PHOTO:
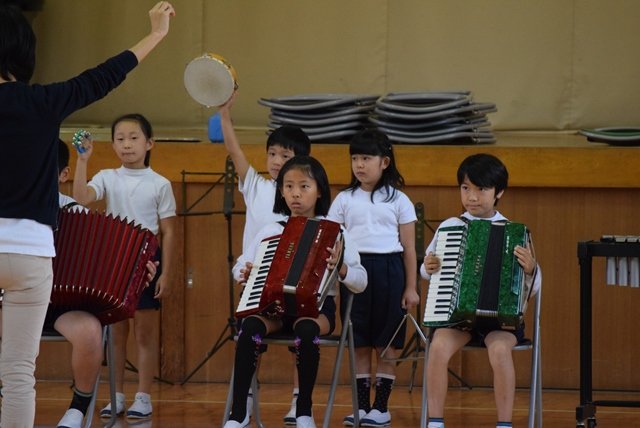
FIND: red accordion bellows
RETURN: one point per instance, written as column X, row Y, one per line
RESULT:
column 292, row 279
column 100, row 264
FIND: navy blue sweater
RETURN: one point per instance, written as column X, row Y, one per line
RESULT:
column 30, row 119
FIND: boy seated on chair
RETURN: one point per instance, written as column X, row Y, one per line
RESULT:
column 80, row 328
column 482, row 179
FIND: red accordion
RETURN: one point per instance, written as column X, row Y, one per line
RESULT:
column 289, row 274
column 100, row 264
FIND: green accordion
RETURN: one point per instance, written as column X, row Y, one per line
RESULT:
column 479, row 277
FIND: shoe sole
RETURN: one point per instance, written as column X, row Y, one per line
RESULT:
column 108, row 415
column 348, row 422
column 138, row 415
column 374, row 424
column 290, row 422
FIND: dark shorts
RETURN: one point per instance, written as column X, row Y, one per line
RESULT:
column 377, row 311
column 482, row 329
column 328, row 310
column 49, row 320
column 147, row 301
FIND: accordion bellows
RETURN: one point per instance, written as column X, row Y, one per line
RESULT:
column 100, row 264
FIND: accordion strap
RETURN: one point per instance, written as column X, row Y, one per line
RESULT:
column 70, row 204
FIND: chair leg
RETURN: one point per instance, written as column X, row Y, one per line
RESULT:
column 334, row 379
column 539, row 400
column 92, row 406
column 424, row 413
column 256, row 401
column 535, row 395
column 535, row 399
column 354, row 387
column 111, row 367
column 227, row 404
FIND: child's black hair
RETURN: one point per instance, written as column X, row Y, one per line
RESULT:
column 314, row 169
column 63, row 155
column 292, row 138
column 484, row 170
column 375, row 143
column 145, row 125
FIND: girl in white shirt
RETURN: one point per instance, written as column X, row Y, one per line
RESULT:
column 302, row 190
column 134, row 191
column 380, row 218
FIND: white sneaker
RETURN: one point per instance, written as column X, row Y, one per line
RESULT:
column 349, row 420
column 236, row 424
column 290, row 417
column 250, row 404
column 71, row 419
column 376, row 418
column 106, row 410
column 141, row 407
column 305, row 422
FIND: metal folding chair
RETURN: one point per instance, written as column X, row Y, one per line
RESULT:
column 107, row 342
column 345, row 339
column 535, row 392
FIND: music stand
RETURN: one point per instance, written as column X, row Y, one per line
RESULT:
column 230, row 330
column 418, row 341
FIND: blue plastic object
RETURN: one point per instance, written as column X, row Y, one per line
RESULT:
column 215, row 129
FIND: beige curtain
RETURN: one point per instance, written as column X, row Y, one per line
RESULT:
column 547, row 64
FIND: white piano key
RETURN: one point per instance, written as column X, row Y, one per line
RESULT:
column 250, row 298
column 441, row 287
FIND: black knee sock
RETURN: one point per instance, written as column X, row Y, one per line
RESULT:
column 247, row 351
column 383, row 391
column 81, row 400
column 307, row 360
column 363, row 385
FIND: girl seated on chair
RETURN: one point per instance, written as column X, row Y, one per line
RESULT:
column 302, row 190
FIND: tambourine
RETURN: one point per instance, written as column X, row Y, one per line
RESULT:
column 210, row 79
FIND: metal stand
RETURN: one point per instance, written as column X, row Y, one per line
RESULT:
column 230, row 330
column 586, row 411
column 418, row 341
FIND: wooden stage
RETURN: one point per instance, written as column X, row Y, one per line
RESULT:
column 196, row 405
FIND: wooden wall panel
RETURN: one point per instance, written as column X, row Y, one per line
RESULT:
column 559, row 216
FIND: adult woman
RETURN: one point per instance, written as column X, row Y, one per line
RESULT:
column 30, row 118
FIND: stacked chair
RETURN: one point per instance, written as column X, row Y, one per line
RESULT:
column 433, row 118
column 405, row 117
column 323, row 117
